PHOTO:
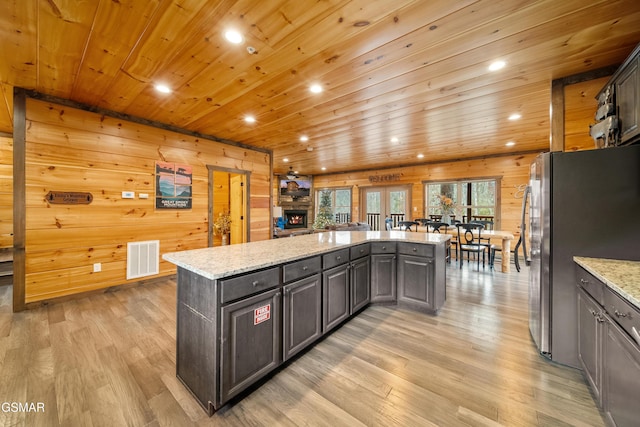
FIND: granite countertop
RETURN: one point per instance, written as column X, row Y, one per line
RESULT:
column 621, row 276
column 222, row 261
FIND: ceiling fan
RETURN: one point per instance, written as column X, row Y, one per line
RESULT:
column 291, row 174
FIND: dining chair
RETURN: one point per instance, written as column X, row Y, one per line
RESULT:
column 469, row 242
column 406, row 225
column 441, row 227
column 388, row 224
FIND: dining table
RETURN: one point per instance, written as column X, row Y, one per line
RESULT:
column 504, row 236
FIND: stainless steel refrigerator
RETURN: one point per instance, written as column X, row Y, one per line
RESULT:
column 584, row 203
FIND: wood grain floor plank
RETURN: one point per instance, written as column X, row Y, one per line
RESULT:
column 109, row 359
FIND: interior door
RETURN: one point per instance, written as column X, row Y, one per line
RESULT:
column 236, row 207
column 386, row 202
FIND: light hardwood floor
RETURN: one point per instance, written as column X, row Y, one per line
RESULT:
column 109, row 360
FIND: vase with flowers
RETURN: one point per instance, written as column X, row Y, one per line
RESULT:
column 447, row 207
column 222, row 226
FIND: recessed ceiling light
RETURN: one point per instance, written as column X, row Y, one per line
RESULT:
column 162, row 88
column 395, row 139
column 285, row 160
column 514, row 116
column 315, row 88
column 420, row 156
column 233, row 36
column 249, row 119
column 510, row 144
column 323, row 168
column 304, row 138
column 497, row 65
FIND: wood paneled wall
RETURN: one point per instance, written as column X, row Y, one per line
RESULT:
column 6, row 193
column 579, row 112
column 513, row 170
column 69, row 149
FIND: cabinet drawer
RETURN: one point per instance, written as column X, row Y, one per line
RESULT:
column 590, row 284
column 383, row 247
column 248, row 284
column 300, row 269
column 623, row 313
column 335, row 258
column 359, row 251
column 416, row 249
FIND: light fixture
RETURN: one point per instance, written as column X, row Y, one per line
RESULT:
column 304, row 138
column 249, row 119
column 497, row 65
column 291, row 174
column 162, row 88
column 315, row 88
column 395, row 139
column 420, row 156
column 514, row 116
column 286, row 159
column 233, row 36
column 510, row 144
column 323, row 168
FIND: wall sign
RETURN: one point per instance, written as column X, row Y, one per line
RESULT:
column 261, row 314
column 68, row 198
column 173, row 186
column 384, row 178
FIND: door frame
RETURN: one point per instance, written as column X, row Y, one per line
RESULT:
column 245, row 201
column 385, row 189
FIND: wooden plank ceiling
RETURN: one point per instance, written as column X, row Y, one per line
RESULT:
column 413, row 70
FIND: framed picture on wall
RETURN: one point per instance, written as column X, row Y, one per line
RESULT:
column 173, row 186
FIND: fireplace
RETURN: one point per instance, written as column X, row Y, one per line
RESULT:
column 295, row 219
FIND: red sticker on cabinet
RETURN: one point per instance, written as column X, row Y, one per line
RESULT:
column 261, row 314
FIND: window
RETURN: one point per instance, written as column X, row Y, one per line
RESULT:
column 471, row 198
column 335, row 200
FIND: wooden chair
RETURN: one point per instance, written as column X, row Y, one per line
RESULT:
column 406, row 225
column 469, row 242
column 441, row 227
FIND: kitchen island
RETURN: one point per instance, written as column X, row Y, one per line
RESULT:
column 244, row 310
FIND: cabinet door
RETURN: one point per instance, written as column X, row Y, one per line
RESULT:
column 383, row 278
column 302, row 314
column 251, row 332
column 335, row 296
column 360, row 293
column 415, row 281
column 590, row 330
column 627, row 101
column 621, row 377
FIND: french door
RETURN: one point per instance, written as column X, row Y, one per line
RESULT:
column 392, row 202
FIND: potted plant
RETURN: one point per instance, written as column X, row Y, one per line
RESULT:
column 222, row 226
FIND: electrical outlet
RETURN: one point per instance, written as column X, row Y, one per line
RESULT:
column 97, row 267
column 143, row 195
column 128, row 194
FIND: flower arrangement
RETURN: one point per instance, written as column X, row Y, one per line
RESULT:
column 222, row 224
column 447, row 204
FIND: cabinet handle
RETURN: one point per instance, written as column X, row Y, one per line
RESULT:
column 384, row 248
column 305, row 268
column 600, row 317
column 415, row 249
column 593, row 312
column 619, row 314
column 584, row 282
column 255, row 283
column 338, row 258
column 361, row 251
column 636, row 335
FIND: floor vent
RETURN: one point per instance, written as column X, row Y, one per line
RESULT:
column 143, row 259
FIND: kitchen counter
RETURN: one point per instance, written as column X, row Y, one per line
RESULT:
column 620, row 275
column 223, row 261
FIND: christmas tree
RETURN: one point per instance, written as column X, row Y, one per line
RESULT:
column 325, row 214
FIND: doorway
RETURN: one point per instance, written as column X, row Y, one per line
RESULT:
column 228, row 189
column 386, row 202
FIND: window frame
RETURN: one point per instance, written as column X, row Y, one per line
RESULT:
column 468, row 207
column 333, row 200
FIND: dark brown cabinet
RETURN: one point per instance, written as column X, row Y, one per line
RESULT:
column 417, row 276
column 335, row 296
column 250, row 332
column 383, row 272
column 590, row 334
column 360, row 284
column 627, row 101
column 301, row 314
column 622, row 374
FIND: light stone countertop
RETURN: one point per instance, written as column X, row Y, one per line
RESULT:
column 620, row 275
column 223, row 261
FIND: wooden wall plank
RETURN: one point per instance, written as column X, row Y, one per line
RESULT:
column 68, row 149
column 6, row 193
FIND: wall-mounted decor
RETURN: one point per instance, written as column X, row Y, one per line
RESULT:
column 173, row 186
column 295, row 190
column 68, row 198
column 384, row 178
